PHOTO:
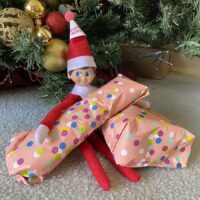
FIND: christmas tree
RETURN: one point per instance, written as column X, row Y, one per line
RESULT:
column 107, row 23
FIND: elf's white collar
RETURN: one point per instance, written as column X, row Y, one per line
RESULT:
column 82, row 91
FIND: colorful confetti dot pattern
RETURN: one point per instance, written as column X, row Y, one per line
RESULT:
column 141, row 138
column 25, row 158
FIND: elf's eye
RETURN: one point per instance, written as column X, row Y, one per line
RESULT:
column 78, row 74
column 87, row 73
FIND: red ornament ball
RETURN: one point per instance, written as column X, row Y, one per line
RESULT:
column 56, row 23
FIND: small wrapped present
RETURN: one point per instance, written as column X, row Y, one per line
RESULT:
column 138, row 138
column 31, row 162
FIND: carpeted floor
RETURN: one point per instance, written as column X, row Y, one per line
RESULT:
column 178, row 97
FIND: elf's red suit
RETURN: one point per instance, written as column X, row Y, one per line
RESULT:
column 86, row 147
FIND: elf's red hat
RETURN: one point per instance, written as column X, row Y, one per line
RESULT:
column 79, row 53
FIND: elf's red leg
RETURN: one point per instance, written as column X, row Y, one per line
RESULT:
column 101, row 146
column 88, row 152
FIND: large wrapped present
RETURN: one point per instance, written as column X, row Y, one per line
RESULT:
column 31, row 162
column 138, row 138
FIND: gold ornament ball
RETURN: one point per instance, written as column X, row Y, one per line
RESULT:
column 35, row 8
column 54, row 58
column 12, row 22
column 42, row 33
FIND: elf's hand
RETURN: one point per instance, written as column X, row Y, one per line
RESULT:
column 143, row 103
column 41, row 133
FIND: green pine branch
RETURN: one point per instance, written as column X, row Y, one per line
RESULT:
column 28, row 49
column 6, row 60
column 55, row 86
column 191, row 46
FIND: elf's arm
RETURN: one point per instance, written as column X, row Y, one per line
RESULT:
column 55, row 113
column 47, row 123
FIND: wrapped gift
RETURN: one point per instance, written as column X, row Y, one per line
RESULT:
column 138, row 138
column 31, row 162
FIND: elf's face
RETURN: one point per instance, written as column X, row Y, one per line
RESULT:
column 83, row 76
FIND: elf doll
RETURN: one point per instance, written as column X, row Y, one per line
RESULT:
column 81, row 70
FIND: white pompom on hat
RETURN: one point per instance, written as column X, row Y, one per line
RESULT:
column 79, row 53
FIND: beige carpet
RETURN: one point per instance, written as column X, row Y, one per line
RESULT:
column 178, row 96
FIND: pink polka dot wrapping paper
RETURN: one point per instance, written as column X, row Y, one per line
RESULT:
column 30, row 162
column 139, row 138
